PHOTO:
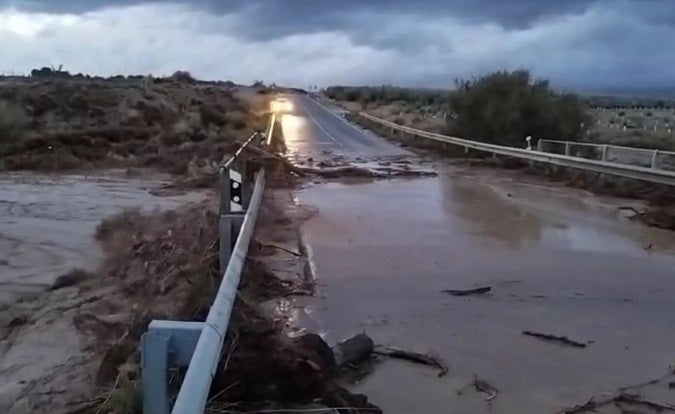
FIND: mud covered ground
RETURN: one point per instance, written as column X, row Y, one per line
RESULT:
column 85, row 329
column 70, row 343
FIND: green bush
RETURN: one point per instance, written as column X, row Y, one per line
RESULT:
column 13, row 122
column 505, row 107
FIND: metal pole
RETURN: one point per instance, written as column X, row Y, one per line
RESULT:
column 604, row 152
column 567, row 148
column 155, row 373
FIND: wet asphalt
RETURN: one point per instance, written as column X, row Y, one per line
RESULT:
column 559, row 260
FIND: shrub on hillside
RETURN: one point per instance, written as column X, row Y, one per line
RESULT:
column 182, row 76
column 13, row 122
column 505, row 107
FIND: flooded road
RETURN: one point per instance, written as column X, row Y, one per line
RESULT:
column 47, row 223
column 559, row 261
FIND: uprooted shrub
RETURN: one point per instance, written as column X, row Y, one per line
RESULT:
column 505, row 107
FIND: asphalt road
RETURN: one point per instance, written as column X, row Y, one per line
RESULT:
column 560, row 261
column 313, row 128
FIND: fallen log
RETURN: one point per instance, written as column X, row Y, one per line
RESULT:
column 468, row 292
column 353, row 350
column 413, row 357
column 560, row 339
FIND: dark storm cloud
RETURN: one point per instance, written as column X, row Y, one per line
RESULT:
column 575, row 43
column 288, row 15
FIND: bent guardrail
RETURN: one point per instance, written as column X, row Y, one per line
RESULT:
column 198, row 345
column 649, row 174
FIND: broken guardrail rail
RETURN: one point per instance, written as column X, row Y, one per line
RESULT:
column 649, row 174
column 198, row 345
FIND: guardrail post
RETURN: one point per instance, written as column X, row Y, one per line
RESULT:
column 165, row 344
column 540, row 145
column 604, row 152
column 655, row 156
column 567, row 148
column 155, row 373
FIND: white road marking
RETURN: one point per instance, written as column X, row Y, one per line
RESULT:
column 362, row 132
column 320, row 127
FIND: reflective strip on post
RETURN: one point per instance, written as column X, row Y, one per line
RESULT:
column 236, row 200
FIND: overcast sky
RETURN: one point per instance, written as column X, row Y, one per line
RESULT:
column 578, row 44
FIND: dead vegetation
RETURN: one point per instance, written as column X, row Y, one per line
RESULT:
column 161, row 266
column 176, row 126
column 164, row 267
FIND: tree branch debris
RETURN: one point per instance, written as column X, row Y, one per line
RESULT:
column 413, row 357
column 468, row 292
column 559, row 339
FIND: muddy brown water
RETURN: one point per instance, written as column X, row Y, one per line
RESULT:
column 47, row 223
column 560, row 261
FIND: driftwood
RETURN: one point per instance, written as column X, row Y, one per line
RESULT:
column 636, row 399
column 622, row 397
column 271, row 156
column 560, row 339
column 468, row 292
column 633, row 209
column 279, row 247
column 414, row 357
column 482, row 386
column 593, row 404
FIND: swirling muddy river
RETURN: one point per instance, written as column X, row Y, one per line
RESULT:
column 47, row 223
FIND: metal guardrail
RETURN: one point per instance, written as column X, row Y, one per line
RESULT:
column 654, row 175
column 643, row 157
column 199, row 345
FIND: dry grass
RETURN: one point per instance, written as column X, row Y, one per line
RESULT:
column 401, row 113
column 100, row 124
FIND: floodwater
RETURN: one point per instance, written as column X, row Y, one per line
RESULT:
column 47, row 223
column 560, row 261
